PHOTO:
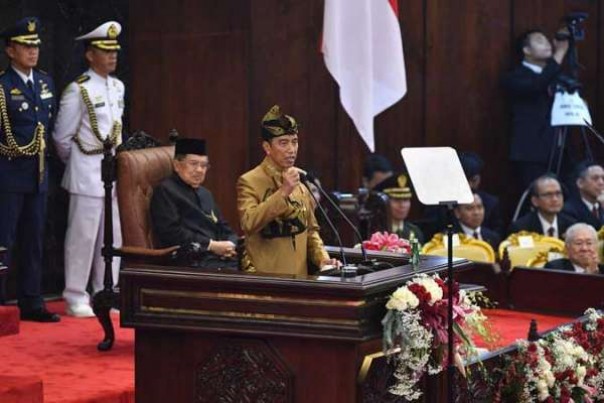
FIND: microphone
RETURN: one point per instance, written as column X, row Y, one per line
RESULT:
column 307, row 177
column 304, row 179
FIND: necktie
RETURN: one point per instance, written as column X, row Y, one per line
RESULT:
column 30, row 85
column 550, row 231
column 476, row 235
column 596, row 211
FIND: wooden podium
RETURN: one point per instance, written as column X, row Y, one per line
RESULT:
column 211, row 336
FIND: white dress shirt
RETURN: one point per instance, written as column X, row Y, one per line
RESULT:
column 535, row 68
column 546, row 225
column 470, row 232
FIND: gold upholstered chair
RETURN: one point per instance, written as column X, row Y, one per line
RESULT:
column 468, row 248
column 534, row 253
column 601, row 244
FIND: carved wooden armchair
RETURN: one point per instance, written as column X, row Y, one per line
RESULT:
column 140, row 164
column 138, row 172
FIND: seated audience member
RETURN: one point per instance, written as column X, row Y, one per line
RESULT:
column 582, row 248
column 377, row 168
column 585, row 207
column 183, row 211
column 472, row 166
column 399, row 196
column 471, row 219
column 547, row 199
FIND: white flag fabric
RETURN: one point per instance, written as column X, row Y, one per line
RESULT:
column 363, row 51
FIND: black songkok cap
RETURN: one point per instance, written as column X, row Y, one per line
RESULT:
column 190, row 146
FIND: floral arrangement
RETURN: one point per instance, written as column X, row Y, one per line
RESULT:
column 385, row 241
column 565, row 366
column 415, row 331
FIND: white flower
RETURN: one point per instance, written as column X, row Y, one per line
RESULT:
column 402, row 299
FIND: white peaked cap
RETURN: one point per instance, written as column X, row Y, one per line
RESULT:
column 104, row 36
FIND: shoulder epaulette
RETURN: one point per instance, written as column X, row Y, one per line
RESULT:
column 42, row 71
column 83, row 78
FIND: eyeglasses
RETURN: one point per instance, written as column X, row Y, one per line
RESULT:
column 198, row 164
column 550, row 195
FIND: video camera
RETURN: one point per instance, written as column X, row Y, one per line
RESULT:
column 573, row 24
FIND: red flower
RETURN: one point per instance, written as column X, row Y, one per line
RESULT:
column 420, row 292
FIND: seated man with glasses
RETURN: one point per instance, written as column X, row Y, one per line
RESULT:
column 582, row 248
column 184, row 212
column 547, row 219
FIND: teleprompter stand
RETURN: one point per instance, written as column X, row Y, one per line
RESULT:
column 439, row 180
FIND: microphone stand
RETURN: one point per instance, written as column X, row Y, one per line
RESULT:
column 304, row 180
column 310, row 178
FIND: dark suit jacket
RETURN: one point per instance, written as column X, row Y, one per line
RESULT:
column 576, row 209
column 488, row 235
column 566, row 265
column 530, row 222
column 181, row 215
column 492, row 212
column 531, row 102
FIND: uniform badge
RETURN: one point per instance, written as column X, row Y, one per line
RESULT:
column 25, row 106
column 15, row 91
column 18, row 97
column 99, row 105
column 45, row 93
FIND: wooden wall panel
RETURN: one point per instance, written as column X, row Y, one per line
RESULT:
column 212, row 68
column 192, row 62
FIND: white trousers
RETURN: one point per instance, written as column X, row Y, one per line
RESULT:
column 83, row 245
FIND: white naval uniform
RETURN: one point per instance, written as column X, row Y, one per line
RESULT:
column 82, row 179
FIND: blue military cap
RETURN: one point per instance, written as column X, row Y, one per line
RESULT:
column 24, row 32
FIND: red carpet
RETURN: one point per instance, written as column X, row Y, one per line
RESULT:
column 65, row 357
column 62, row 360
column 512, row 325
column 9, row 320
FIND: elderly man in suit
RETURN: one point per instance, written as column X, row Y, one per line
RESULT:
column 530, row 89
column 183, row 211
column 582, row 248
column 28, row 103
column 547, row 199
column 586, row 207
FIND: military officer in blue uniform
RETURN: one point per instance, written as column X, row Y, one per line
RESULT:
column 27, row 109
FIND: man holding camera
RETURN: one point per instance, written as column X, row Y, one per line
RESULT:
column 531, row 87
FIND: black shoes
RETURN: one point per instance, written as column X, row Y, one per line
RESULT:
column 40, row 315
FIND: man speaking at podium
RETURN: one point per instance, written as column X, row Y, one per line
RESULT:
column 275, row 209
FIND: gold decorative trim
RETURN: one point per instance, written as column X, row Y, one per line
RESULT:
column 368, row 360
column 251, row 315
column 238, row 296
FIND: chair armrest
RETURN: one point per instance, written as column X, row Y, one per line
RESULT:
column 136, row 254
